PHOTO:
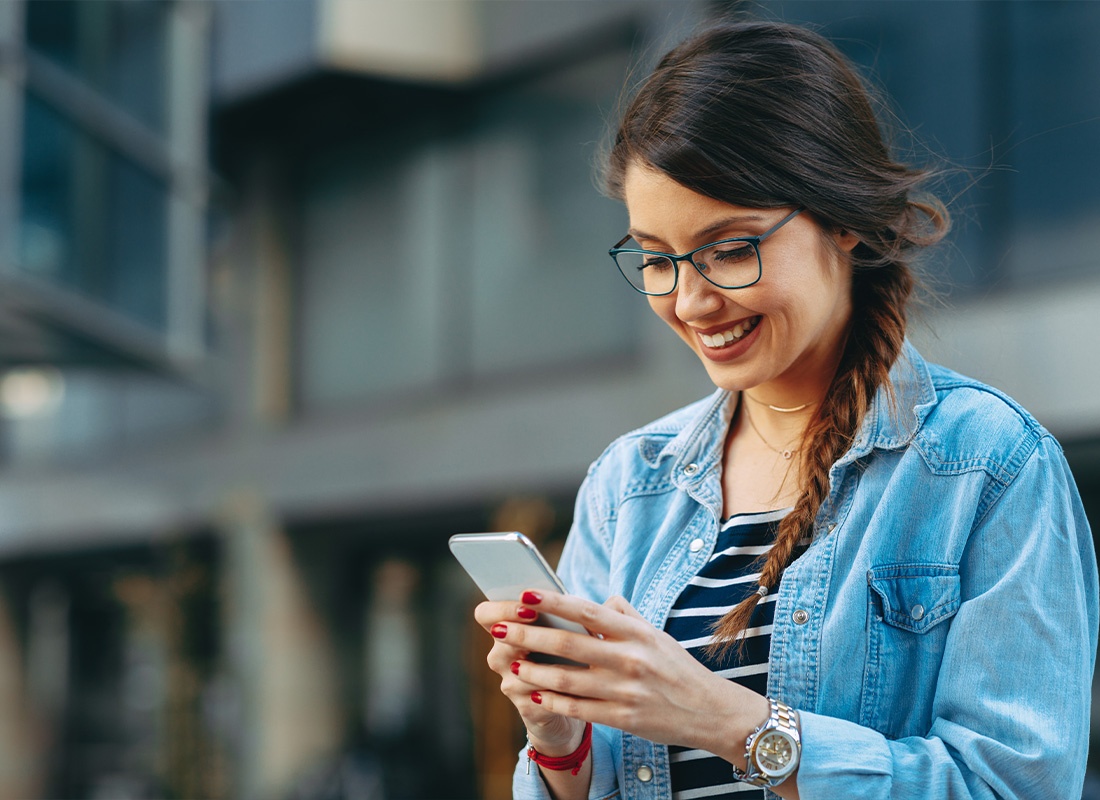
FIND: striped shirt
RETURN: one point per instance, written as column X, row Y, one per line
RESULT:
column 730, row 575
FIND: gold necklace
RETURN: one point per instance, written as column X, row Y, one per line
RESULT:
column 780, row 409
column 787, row 454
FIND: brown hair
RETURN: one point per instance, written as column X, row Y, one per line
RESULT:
column 765, row 114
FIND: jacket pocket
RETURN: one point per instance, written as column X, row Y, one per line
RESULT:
column 908, row 619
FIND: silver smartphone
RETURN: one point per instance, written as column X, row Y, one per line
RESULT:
column 503, row 565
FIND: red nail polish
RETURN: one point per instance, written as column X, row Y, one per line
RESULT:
column 499, row 630
column 515, row 668
column 526, row 613
column 536, row 698
column 531, row 598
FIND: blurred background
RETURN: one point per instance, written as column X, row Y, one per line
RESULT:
column 292, row 291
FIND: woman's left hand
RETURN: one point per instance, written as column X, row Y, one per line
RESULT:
column 639, row 679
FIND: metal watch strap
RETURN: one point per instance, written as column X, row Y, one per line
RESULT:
column 783, row 718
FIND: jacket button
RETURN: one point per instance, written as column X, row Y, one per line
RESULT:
column 645, row 773
column 696, row 545
column 691, row 469
column 917, row 611
column 800, row 617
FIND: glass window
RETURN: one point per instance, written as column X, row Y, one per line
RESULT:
column 1010, row 92
column 475, row 242
column 118, row 48
column 372, row 306
column 1053, row 119
column 91, row 220
column 544, row 289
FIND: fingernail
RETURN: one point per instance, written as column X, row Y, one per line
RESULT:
column 536, row 698
column 499, row 630
column 526, row 613
column 515, row 668
column 531, row 598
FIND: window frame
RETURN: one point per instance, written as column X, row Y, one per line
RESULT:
column 177, row 157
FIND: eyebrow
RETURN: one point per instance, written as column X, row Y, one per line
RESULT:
column 709, row 230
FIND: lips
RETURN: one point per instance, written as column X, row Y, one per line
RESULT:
column 725, row 338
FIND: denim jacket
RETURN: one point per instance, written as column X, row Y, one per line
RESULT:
column 939, row 634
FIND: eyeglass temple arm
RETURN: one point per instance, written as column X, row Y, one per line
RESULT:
column 777, row 225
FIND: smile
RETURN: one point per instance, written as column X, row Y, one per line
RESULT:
column 726, row 338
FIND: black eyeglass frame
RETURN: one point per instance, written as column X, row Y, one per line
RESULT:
column 755, row 241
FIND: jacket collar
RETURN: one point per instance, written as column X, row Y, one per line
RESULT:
column 699, row 442
column 890, row 423
column 893, row 420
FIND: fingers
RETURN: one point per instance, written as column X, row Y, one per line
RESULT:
column 562, row 679
column 506, row 622
column 525, row 696
column 498, row 618
column 579, row 708
column 506, row 660
column 579, row 648
column 614, row 622
column 510, row 624
column 616, row 619
column 495, row 617
column 638, row 678
column 490, row 613
column 590, row 615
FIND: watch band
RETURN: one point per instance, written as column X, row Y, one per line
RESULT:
column 784, row 720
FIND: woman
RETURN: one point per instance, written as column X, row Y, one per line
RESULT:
column 847, row 574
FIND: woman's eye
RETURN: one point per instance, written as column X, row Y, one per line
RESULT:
column 729, row 254
column 656, row 263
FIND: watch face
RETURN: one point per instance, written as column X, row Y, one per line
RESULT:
column 774, row 753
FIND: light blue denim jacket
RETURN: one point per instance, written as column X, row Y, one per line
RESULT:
column 950, row 596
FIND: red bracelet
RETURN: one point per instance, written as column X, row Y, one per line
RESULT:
column 571, row 762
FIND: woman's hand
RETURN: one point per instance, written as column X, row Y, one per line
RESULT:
column 552, row 734
column 639, row 679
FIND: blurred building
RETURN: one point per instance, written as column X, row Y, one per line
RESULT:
column 291, row 291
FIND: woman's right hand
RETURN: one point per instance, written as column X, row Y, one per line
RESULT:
column 550, row 734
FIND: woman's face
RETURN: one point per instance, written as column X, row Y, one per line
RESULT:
column 790, row 325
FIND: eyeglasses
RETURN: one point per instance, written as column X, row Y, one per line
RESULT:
column 728, row 263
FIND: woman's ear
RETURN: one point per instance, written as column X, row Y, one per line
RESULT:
column 845, row 240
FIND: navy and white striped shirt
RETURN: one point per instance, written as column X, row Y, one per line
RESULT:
column 730, row 575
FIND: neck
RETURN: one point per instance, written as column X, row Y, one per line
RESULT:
column 777, row 408
column 783, row 429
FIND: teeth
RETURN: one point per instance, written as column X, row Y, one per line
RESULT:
column 724, row 338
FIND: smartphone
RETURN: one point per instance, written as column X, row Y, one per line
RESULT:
column 503, row 565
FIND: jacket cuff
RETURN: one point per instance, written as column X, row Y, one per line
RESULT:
column 836, row 753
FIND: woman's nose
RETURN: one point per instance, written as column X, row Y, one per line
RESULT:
column 695, row 295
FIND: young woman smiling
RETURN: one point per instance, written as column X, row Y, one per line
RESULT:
column 848, row 573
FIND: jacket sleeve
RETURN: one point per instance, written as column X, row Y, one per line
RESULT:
column 584, row 569
column 1011, row 710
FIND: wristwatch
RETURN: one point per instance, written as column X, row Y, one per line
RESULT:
column 772, row 750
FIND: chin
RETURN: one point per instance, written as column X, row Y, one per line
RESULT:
column 730, row 382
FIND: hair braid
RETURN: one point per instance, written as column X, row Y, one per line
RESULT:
column 874, row 341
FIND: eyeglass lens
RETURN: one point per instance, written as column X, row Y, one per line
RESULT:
column 728, row 264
